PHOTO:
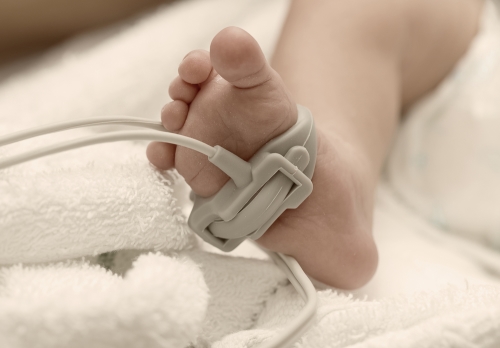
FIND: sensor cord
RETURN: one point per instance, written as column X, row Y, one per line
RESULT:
column 287, row 264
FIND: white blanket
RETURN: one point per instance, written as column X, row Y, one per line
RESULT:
column 89, row 219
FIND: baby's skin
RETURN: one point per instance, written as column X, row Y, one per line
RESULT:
column 356, row 76
column 242, row 103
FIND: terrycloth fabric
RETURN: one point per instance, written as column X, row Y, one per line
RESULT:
column 452, row 317
column 446, row 161
column 74, row 304
column 162, row 300
column 431, row 289
column 89, row 208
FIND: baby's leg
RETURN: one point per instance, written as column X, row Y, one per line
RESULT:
column 348, row 62
column 358, row 65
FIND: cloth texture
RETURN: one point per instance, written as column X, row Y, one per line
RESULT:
column 446, row 159
column 94, row 247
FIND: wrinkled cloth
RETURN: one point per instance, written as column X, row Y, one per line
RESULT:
column 445, row 162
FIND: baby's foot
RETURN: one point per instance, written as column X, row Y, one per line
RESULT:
column 231, row 97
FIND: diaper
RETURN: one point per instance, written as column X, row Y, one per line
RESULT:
column 445, row 163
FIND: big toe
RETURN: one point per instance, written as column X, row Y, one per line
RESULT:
column 237, row 58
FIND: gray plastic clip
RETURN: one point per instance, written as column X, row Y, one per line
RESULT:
column 280, row 179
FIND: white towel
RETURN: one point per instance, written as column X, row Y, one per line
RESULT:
column 89, row 208
column 161, row 302
column 451, row 317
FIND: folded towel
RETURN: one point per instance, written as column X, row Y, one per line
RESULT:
column 90, row 208
column 161, row 302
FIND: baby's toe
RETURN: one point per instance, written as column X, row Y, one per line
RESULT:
column 238, row 58
column 173, row 115
column 181, row 90
column 196, row 67
column 161, row 155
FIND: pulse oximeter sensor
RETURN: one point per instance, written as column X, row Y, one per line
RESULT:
column 276, row 178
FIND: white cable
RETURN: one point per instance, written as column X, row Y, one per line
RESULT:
column 93, row 121
column 306, row 290
column 236, row 168
column 286, row 263
column 106, row 138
